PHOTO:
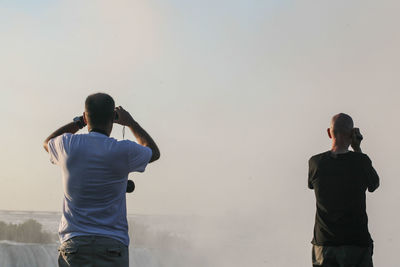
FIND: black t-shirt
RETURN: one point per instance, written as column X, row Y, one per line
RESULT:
column 340, row 182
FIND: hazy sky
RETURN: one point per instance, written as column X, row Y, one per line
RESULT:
column 237, row 94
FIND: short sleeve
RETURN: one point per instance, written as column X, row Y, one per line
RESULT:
column 311, row 173
column 56, row 147
column 371, row 175
column 138, row 157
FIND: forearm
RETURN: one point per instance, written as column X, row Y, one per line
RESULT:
column 71, row 127
column 144, row 139
column 357, row 149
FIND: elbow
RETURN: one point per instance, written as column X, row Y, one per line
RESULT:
column 371, row 189
column 46, row 146
column 374, row 187
column 155, row 155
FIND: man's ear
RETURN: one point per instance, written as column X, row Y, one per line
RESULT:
column 84, row 117
column 353, row 132
column 329, row 133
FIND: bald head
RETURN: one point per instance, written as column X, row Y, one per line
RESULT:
column 342, row 124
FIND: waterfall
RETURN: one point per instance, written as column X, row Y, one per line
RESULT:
column 14, row 254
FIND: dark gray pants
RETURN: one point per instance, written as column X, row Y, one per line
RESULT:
column 342, row 256
column 93, row 251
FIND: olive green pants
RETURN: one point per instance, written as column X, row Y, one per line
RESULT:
column 342, row 256
column 93, row 251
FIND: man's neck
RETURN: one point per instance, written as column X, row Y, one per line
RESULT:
column 339, row 149
column 101, row 130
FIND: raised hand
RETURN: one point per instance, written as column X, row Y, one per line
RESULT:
column 123, row 117
column 356, row 140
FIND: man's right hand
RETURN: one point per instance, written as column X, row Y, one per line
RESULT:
column 124, row 118
column 356, row 140
column 142, row 137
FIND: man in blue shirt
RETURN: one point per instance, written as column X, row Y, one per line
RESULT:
column 95, row 167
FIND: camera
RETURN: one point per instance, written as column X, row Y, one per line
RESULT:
column 130, row 187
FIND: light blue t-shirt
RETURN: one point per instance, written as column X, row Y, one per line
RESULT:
column 95, row 172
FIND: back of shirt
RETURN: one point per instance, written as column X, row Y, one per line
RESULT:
column 95, row 171
column 340, row 182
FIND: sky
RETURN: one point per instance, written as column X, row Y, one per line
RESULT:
column 237, row 94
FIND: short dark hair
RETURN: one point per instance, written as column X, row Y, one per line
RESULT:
column 99, row 108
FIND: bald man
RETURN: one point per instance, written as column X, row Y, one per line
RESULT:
column 340, row 178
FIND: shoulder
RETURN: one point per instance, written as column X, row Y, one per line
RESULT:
column 361, row 156
column 133, row 146
column 61, row 138
column 318, row 157
column 68, row 136
column 71, row 139
column 125, row 143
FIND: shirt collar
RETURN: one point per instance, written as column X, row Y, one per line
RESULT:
column 98, row 132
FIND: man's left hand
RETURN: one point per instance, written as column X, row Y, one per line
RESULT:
column 356, row 140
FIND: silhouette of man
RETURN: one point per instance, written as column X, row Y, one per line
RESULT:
column 95, row 167
column 340, row 179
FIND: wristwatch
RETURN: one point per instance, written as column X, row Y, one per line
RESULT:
column 79, row 121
